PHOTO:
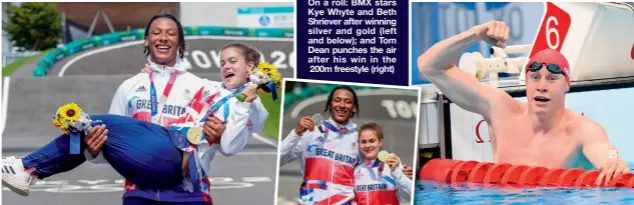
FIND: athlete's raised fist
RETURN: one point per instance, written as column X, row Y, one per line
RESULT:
column 305, row 124
column 495, row 33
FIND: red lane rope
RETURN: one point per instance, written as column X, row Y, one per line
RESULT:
column 455, row 171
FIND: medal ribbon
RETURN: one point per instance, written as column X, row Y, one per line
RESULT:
column 334, row 128
column 216, row 106
column 156, row 116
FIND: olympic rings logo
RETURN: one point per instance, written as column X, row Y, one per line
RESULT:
column 477, row 132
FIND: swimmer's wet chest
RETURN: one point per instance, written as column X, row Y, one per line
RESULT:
column 553, row 149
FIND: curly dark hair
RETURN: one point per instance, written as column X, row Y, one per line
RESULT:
column 181, row 33
column 355, row 100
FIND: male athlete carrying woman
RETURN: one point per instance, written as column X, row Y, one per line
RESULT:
column 541, row 132
column 149, row 155
column 164, row 43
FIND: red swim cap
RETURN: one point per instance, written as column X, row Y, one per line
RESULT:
column 551, row 56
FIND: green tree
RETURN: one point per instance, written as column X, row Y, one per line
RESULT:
column 34, row 25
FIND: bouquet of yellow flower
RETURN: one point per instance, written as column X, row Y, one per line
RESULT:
column 72, row 121
column 266, row 78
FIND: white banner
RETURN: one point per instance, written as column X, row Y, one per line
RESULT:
column 266, row 17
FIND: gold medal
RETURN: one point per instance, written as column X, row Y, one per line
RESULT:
column 194, row 135
column 383, row 155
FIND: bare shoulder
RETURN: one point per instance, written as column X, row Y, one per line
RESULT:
column 583, row 127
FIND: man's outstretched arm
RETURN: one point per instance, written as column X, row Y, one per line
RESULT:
column 603, row 155
column 438, row 64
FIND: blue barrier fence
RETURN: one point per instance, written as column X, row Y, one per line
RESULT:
column 53, row 56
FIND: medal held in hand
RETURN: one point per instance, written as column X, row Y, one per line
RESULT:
column 383, row 155
column 317, row 119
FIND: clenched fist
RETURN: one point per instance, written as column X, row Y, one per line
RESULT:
column 305, row 124
column 213, row 129
column 250, row 94
column 393, row 161
column 407, row 170
column 495, row 33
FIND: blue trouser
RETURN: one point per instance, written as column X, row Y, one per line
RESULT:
column 146, row 154
column 140, row 151
column 142, row 201
column 53, row 158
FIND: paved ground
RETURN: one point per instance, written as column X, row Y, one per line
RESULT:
column 399, row 130
column 27, row 69
column 247, row 178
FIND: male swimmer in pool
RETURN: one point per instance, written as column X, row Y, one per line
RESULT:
column 541, row 132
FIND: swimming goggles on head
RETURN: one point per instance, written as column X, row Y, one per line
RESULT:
column 553, row 68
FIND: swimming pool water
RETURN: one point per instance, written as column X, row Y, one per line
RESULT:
column 430, row 192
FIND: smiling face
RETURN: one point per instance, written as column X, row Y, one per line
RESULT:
column 163, row 41
column 235, row 67
column 369, row 144
column 545, row 91
column 342, row 106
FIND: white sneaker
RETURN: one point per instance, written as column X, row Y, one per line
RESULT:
column 15, row 177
